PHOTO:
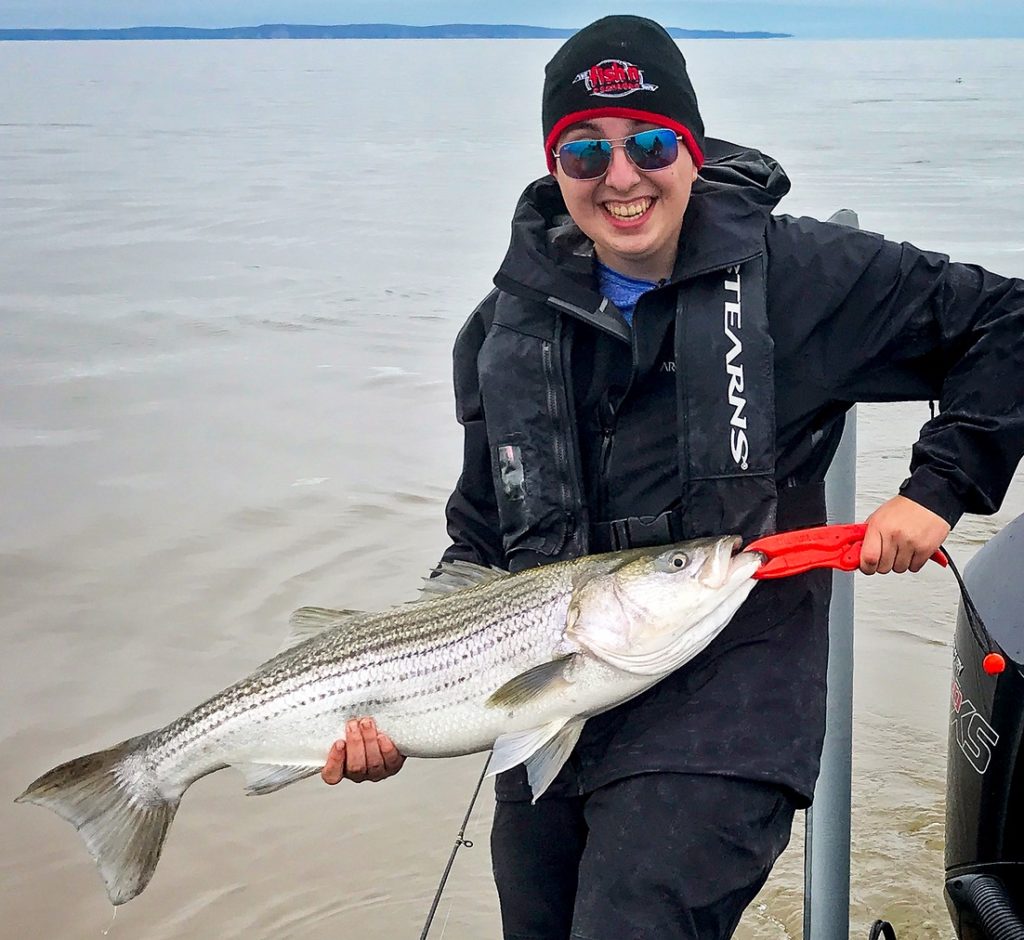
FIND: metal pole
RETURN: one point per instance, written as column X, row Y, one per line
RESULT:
column 827, row 842
column 827, row 847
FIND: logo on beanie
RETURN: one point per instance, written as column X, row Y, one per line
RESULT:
column 613, row 78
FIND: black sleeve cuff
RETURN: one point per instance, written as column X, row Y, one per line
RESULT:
column 933, row 493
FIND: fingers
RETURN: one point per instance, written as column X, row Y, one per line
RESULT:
column 373, row 762
column 355, row 762
column 920, row 560
column 393, row 760
column 901, row 536
column 334, row 769
column 903, row 556
column 889, row 552
column 364, row 754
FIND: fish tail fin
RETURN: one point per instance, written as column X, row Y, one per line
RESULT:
column 117, row 808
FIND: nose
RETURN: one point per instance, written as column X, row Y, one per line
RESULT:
column 622, row 173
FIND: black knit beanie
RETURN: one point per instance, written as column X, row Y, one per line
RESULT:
column 621, row 66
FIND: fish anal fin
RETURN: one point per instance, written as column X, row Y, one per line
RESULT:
column 530, row 685
column 308, row 622
column 261, row 779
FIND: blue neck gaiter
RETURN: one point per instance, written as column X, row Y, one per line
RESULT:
column 621, row 290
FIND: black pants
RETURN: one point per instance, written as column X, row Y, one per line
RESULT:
column 668, row 856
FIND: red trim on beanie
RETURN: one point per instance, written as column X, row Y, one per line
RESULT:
column 646, row 116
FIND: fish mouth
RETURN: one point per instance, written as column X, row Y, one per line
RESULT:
column 726, row 562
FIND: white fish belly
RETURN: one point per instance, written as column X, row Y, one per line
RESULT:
column 443, row 716
column 464, row 727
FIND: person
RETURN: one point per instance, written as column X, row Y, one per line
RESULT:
column 664, row 357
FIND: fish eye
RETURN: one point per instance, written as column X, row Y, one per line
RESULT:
column 673, row 561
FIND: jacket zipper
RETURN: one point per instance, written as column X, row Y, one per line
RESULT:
column 561, row 458
column 607, row 437
column 608, row 430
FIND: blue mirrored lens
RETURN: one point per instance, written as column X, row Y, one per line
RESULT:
column 653, row 150
column 590, row 159
column 585, row 159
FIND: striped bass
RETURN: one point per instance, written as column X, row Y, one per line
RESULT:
column 485, row 660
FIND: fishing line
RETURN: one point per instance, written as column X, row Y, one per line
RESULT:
column 460, row 841
column 444, row 926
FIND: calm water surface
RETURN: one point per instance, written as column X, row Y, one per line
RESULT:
column 232, row 274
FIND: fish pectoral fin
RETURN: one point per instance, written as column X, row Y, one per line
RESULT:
column 308, row 622
column 516, row 747
column 261, row 779
column 531, row 684
column 543, row 766
column 453, row 576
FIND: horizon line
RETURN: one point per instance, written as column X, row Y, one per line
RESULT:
column 725, row 33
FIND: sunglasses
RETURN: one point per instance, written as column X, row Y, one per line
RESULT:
column 590, row 159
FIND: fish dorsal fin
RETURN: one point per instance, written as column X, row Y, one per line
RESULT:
column 268, row 778
column 308, row 622
column 544, row 750
column 454, row 576
column 531, row 684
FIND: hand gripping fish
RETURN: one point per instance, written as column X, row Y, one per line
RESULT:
column 485, row 660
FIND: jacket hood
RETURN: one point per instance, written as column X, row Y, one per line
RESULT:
column 549, row 257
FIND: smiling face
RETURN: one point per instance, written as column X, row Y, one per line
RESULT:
column 633, row 217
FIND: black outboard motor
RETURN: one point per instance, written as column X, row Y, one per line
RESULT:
column 985, row 766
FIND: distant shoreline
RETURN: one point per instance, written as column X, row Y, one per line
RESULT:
column 349, row 31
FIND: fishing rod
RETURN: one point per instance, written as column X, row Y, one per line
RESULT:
column 460, row 840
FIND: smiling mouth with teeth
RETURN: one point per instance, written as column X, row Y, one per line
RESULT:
column 629, row 210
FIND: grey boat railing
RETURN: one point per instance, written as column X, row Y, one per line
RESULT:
column 827, row 839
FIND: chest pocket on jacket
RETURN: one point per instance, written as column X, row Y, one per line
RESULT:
column 522, row 391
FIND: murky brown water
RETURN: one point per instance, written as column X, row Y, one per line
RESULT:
column 228, row 292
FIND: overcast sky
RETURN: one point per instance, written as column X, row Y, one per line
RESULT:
column 806, row 18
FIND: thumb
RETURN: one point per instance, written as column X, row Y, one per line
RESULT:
column 871, row 550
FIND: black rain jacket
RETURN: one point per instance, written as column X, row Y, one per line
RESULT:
column 572, row 419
